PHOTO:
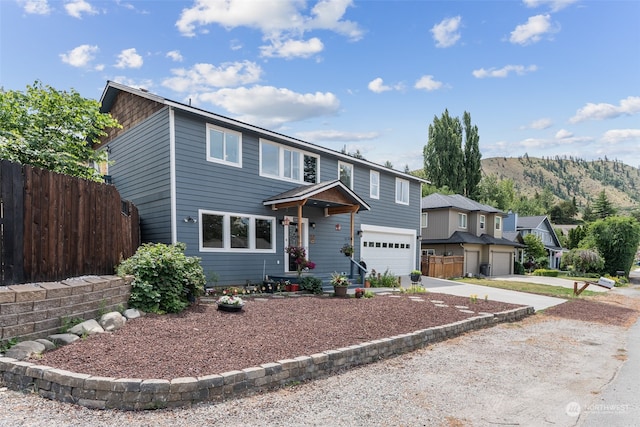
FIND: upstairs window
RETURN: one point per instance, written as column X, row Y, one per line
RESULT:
column 224, row 146
column 482, row 222
column 374, row 184
column 345, row 174
column 402, row 191
column 283, row 162
column 462, row 220
column 498, row 222
column 424, row 220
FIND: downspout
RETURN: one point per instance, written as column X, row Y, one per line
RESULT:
column 172, row 174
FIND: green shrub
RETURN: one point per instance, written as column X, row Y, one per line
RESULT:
column 166, row 280
column 311, row 284
column 545, row 272
column 518, row 268
column 582, row 261
column 385, row 280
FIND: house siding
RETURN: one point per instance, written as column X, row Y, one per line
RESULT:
column 140, row 171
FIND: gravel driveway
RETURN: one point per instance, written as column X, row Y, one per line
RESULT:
column 524, row 373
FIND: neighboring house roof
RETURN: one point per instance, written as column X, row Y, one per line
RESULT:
column 459, row 237
column 112, row 89
column 530, row 222
column 456, row 201
column 320, row 194
column 538, row 222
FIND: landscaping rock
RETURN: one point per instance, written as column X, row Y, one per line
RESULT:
column 112, row 321
column 63, row 339
column 48, row 345
column 25, row 349
column 88, row 327
column 132, row 313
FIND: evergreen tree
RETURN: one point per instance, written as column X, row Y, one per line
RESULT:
column 472, row 158
column 602, row 207
column 443, row 156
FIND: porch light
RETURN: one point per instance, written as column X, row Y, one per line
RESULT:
column 313, row 225
column 359, row 233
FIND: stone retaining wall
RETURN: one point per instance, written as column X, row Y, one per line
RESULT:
column 137, row 394
column 37, row 310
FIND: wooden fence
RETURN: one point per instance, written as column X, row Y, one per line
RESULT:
column 55, row 226
column 442, row 267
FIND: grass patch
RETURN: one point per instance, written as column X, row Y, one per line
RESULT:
column 533, row 288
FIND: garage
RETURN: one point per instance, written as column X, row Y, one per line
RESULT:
column 502, row 263
column 388, row 248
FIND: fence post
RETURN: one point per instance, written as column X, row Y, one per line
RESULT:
column 11, row 223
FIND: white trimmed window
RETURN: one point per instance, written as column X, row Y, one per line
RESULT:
column 402, row 191
column 230, row 232
column 345, row 174
column 224, row 146
column 462, row 220
column 283, row 162
column 424, row 219
column 483, row 220
column 374, row 184
column 498, row 222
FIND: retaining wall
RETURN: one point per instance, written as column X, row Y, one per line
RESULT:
column 38, row 310
column 136, row 394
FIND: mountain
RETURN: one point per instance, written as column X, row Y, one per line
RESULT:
column 569, row 177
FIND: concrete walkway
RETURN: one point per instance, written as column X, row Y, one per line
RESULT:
column 552, row 281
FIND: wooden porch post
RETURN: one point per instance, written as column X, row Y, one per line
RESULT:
column 300, row 225
column 352, row 231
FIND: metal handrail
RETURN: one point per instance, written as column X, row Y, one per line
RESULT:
column 360, row 268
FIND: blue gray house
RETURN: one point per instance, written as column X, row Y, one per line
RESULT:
column 237, row 195
column 539, row 226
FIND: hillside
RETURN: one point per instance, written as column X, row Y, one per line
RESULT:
column 570, row 177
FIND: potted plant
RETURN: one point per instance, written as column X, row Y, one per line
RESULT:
column 340, row 283
column 230, row 303
column 415, row 275
column 347, row 250
column 299, row 255
column 359, row 292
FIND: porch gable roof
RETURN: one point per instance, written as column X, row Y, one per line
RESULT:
column 329, row 194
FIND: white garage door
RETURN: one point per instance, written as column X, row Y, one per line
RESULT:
column 386, row 248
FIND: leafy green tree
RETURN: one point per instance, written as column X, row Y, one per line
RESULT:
column 535, row 252
column 582, row 261
column 443, row 156
column 617, row 240
column 53, row 130
column 526, row 206
column 472, row 158
column 602, row 207
column 564, row 212
column 576, row 235
column 500, row 194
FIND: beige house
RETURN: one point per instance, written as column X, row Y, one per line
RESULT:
column 454, row 225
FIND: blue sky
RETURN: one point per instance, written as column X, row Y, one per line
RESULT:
column 543, row 77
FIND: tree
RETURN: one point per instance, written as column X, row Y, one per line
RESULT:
column 616, row 239
column 499, row 194
column 443, row 156
column 564, row 212
column 472, row 158
column 576, row 235
column 602, row 207
column 535, row 253
column 53, row 130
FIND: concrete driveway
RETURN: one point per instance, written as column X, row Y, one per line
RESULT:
column 539, row 302
column 553, row 281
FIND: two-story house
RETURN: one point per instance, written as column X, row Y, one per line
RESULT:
column 539, row 226
column 454, row 225
column 237, row 195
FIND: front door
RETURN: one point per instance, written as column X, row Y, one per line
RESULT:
column 291, row 233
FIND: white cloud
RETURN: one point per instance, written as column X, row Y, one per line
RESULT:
column 129, row 58
column 428, row 83
column 292, row 48
column 76, row 8
column 563, row 134
column 628, row 106
column 80, row 56
column 204, row 77
column 539, row 124
column 446, row 32
column 504, row 71
column 376, row 85
column 271, row 106
column 533, row 30
column 336, row 135
column 271, row 18
column 175, row 55
column 35, row 7
column 554, row 5
column 615, row 136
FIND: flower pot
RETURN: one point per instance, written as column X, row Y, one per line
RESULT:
column 415, row 277
column 367, row 284
column 359, row 294
column 287, row 288
column 340, row 291
column 295, row 287
column 230, row 307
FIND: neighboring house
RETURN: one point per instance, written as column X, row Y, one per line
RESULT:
column 539, row 226
column 238, row 195
column 454, row 225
